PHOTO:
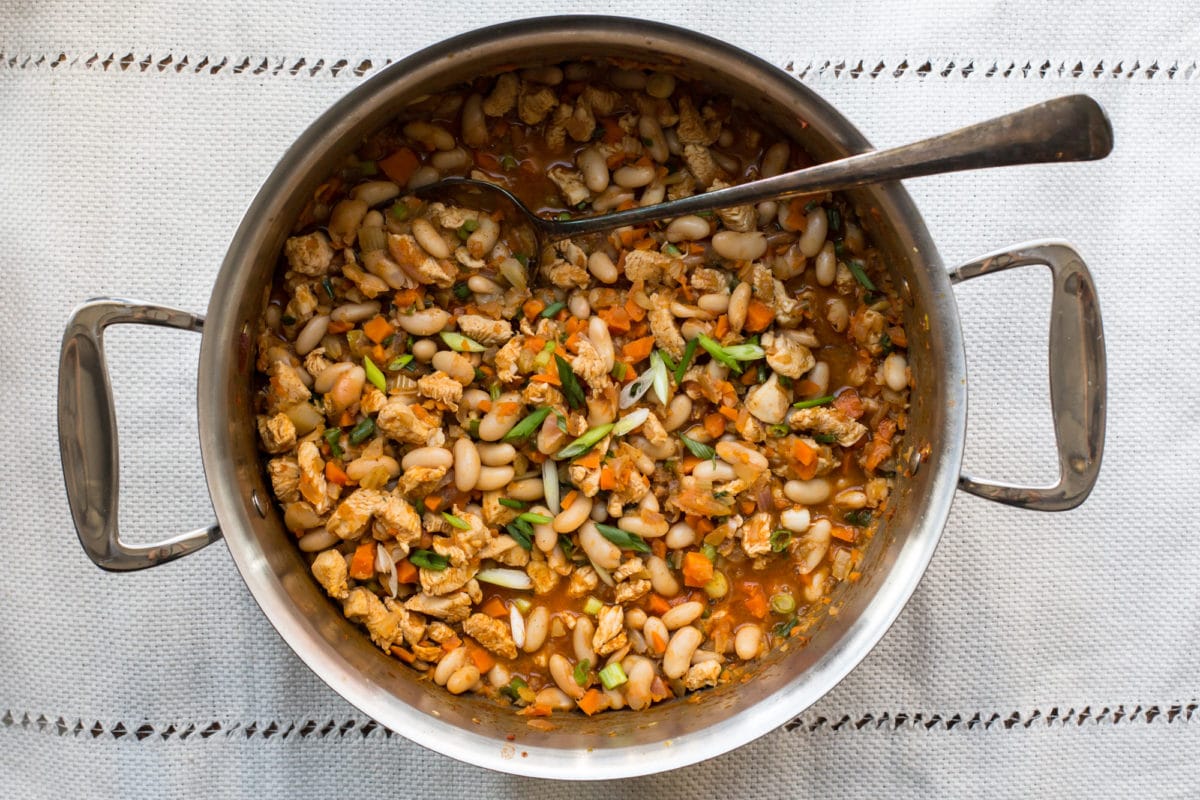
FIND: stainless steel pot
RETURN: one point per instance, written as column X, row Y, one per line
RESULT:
column 472, row 729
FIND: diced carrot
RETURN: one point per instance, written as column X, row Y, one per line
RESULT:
column 591, row 702
column 589, row 461
column 616, row 318
column 795, row 213
column 658, row 604
column 452, row 644
column 339, row 326
column 758, row 316
column 638, row 349
column 400, row 165
column 697, row 569
column 570, row 498
column 546, row 377
column 722, row 327
column 406, row 298
column 507, row 409
column 625, row 205
column 608, row 478
column 533, row 307
column 657, row 642
column 747, row 506
column 378, row 329
column 406, row 572
column 728, row 412
column 572, row 342
column 482, row 659
column 849, row 403
column 806, row 388
column 635, row 312
column 433, row 502
column 898, row 336
column 422, row 414
column 628, row 238
column 638, row 330
column 346, row 419
column 404, row 655
column 613, row 132
column 575, row 325
column 485, row 406
column 844, row 532
column 486, row 160
column 494, row 607
column 658, row 547
column 335, row 474
column 690, row 462
column 536, row 710
column 749, row 378
column 362, row 564
column 703, row 525
column 714, row 425
column 803, row 452
column 756, row 599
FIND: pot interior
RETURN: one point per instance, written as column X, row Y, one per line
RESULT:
column 476, row 729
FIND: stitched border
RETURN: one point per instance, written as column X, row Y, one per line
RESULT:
column 1121, row 715
column 1095, row 69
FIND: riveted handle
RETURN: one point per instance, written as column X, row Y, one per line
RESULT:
column 1077, row 376
column 87, row 435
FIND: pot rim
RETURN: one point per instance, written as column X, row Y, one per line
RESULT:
column 223, row 342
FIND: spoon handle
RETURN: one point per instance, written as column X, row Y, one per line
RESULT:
column 1072, row 128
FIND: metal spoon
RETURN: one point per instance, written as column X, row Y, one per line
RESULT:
column 1072, row 128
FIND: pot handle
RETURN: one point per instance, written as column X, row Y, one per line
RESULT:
column 1077, row 376
column 87, row 435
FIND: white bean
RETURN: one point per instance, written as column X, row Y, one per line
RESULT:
column 678, row 655
column 819, row 375
column 627, row 78
column 429, row 239
column 816, row 226
column 602, row 267
column 563, row 674
column 483, row 239
column 635, row 618
column 317, row 540
column 424, row 323
column 494, row 424
column 454, row 365
column 601, row 339
column 311, row 334
column 795, row 519
column 579, row 306
column 499, row 675
column 423, row 176
column 305, row 417
column 738, row 246
column 632, row 177
column 360, row 468
column 660, row 84
column 678, row 412
column 713, row 471
column 601, row 551
column 537, row 628
column 344, row 220
column 637, row 689
column 653, row 194
column 661, row 577
column 526, row 490
column 450, row 160
column 493, row 478
column 683, row 614
column 650, row 130
column 815, row 587
column 553, row 698
column 592, row 165
column 808, row 493
column 355, row 312
column 427, row 457
column 688, row 228
column 347, row 389
column 852, row 499
column 548, row 75
column 826, row 265
column 466, row 465
column 747, row 641
column 812, row 546
column 449, row 665
column 375, row 192
column 767, row 209
column 581, row 640
column 655, row 632
column 474, row 126
column 774, row 161
column 838, row 314
column 680, row 536
column 463, row 679
column 432, row 136
column 571, row 518
column 300, row 517
column 329, row 376
column 636, row 524
column 739, row 306
column 611, row 197
column 895, row 371
column 714, row 302
column 496, row 455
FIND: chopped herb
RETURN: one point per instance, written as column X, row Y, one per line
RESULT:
column 567, row 546
column 523, row 605
column 592, row 606
column 705, row 214
column 563, row 216
column 685, row 361
column 473, row 428
column 512, row 689
column 825, row 438
column 524, row 259
column 508, row 502
column 508, row 162
column 716, row 351
column 785, row 628
column 814, row 402
column 780, row 539
column 521, row 535
column 427, row 559
column 784, row 381
column 528, row 426
column 750, row 351
column 835, row 219
column 480, row 375
column 399, row 211
column 535, row 519
column 860, row 274
column 327, row 285
column 552, row 309
column 288, row 319
column 885, row 344
column 362, row 431
column 859, row 516
column 570, row 384
column 613, row 676
column 710, row 552
column 584, row 443
column 331, row 436
column 462, row 291
column 374, row 375
column 698, row 449
column 581, row 672
column 456, row 521
column 672, row 250
column 460, row 343
column 399, row 362
column 419, row 505
column 619, row 370
column 630, row 421
column 623, row 539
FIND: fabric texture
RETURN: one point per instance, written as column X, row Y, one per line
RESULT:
column 1050, row 651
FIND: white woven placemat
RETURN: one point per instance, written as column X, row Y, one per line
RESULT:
column 1041, row 651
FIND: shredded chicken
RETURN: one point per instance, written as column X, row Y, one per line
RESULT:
column 492, row 634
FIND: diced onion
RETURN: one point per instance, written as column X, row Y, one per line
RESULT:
column 512, row 271
column 635, row 389
column 603, row 573
column 629, row 422
column 659, row 377
column 385, row 566
column 550, row 485
column 517, row 623
column 508, row 578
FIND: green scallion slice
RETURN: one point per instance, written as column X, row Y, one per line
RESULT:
column 552, row 309
column 859, row 517
column 689, row 353
column 581, row 672
column 461, row 291
column 814, row 402
column 456, row 521
column 780, row 540
column 427, row 559
column 535, row 519
column 374, row 374
column 698, row 449
column 528, row 426
column 860, row 274
column 783, row 603
column 332, row 435
column 825, row 438
column 613, row 676
column 460, row 343
column 570, row 384
column 327, row 285
column 399, row 362
column 508, row 502
column 364, row 430
column 623, row 539
column 710, row 552
column 584, row 443
column 619, row 369
column 521, row 533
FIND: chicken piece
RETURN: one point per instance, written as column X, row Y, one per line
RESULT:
column 329, row 568
column 385, row 623
column 629, row 591
column 654, row 431
column 570, row 184
column 786, row 355
column 556, row 129
column 701, row 164
column 565, row 265
column 844, row 280
column 827, row 421
column 419, row 265
column 737, row 218
column 353, row 514
column 631, row 567
column 589, row 364
column 585, row 479
column 463, row 546
column 535, row 102
column 420, row 481
column 698, row 499
column 485, row 330
column 370, row 285
column 755, row 534
column 497, row 547
column 610, row 631
column 768, row 401
column 662, row 325
column 646, row 265
column 400, row 422
column 396, row 519
column 685, row 187
column 372, row 401
column 450, row 608
column 315, row 362
column 877, row 491
column 451, row 217
column 302, row 305
column 544, row 579
column 492, row 634
column 285, row 478
column 277, row 433
column 507, row 357
column 286, row 387
column 543, row 394
column 513, row 556
column 495, row 514
column 429, row 653
column 441, row 387
column 700, row 675
column 503, row 96
column 313, row 487
column 705, row 279
column 789, row 312
column 310, row 254
column 441, row 582
column 584, row 580
column 581, row 123
column 440, row 632
column 692, row 127
column 601, row 101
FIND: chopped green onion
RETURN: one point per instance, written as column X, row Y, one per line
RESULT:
column 563, row 216
column 508, row 502
column 779, row 430
column 399, row 211
column 671, row 249
column 730, row 356
column 860, row 274
column 552, row 309
column 613, row 676
column 619, row 369
column 374, row 375
column 635, row 389
column 570, row 384
column 367, row 168
column 528, row 426
column 592, row 606
column 362, row 431
column 780, row 540
column 666, row 359
column 462, row 291
column 584, row 443
column 689, row 353
column 494, row 391
column 581, row 672
column 835, row 219
column 567, row 547
column 288, row 319
column 745, row 352
column 623, row 539
column 885, row 343
column 331, row 436
column 659, row 379
column 508, row 578
column 521, row 534
column 647, row 141
column 860, row 517
column 782, row 603
column 460, row 343
column 466, row 229
column 785, row 628
column 399, row 362
column 508, row 162
column 710, row 552
column 473, row 428
column 630, row 421
column 327, row 285
column 427, row 559
column 456, row 521
column 535, row 519
column 825, row 438
column 718, row 586
column 522, row 258
column 698, row 449
column 809, row 206
column 512, row 689
column 523, row 605
column 814, row 402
